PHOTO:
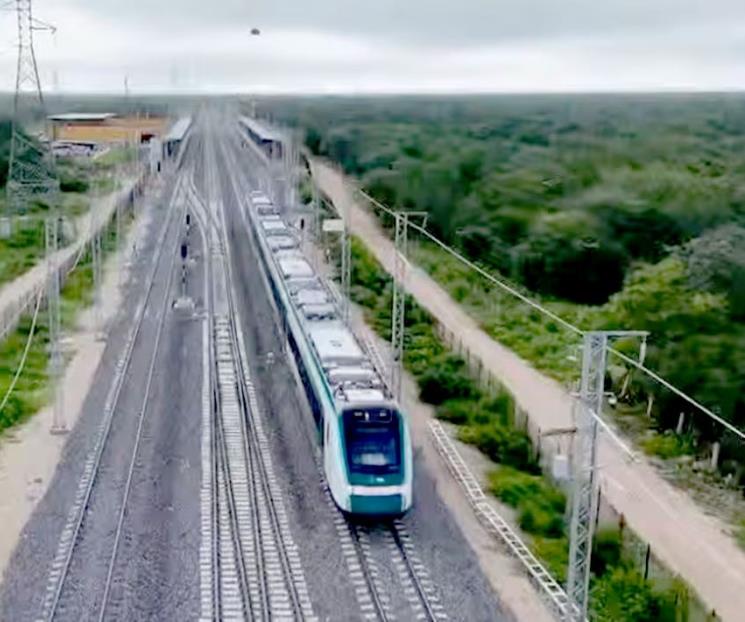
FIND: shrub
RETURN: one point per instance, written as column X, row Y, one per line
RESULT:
column 502, row 444
column 480, row 412
column 668, row 445
column 606, row 551
column 446, row 379
column 622, row 595
column 537, row 518
column 514, row 487
column 72, row 184
column 554, row 553
column 456, row 411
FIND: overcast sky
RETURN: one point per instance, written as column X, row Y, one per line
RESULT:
column 353, row 46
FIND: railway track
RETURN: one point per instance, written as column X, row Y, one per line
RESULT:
column 54, row 604
column 411, row 575
column 256, row 568
column 361, row 543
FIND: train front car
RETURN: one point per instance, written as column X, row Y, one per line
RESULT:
column 367, row 458
column 377, row 453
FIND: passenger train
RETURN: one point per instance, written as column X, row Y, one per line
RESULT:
column 367, row 455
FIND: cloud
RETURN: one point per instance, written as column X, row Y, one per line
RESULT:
column 389, row 45
column 432, row 22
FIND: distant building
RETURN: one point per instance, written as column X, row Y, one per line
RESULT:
column 105, row 128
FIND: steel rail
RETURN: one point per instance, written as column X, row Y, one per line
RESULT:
column 141, row 416
column 70, row 535
column 252, row 440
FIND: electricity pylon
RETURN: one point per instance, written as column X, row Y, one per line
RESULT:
column 32, row 179
column 589, row 408
column 31, row 174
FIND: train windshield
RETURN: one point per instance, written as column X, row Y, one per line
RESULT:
column 373, row 441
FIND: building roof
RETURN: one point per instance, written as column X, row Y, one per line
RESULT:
column 81, row 116
column 260, row 129
column 178, row 130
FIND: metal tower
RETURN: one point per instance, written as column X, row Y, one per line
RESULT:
column 588, row 409
column 398, row 315
column 31, row 172
column 346, row 267
column 399, row 301
column 32, row 179
column 583, row 495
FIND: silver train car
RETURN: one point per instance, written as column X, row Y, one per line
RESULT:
column 367, row 453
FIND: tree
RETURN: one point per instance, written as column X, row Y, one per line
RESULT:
column 313, row 140
column 708, row 367
column 716, row 262
column 562, row 265
column 645, row 234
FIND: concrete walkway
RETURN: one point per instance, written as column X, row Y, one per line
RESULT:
column 18, row 295
column 686, row 540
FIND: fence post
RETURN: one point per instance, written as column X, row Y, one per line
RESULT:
column 646, row 562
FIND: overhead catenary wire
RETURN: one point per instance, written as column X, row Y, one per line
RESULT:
column 568, row 325
column 29, row 340
column 26, row 349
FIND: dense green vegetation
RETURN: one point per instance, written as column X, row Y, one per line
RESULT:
column 619, row 592
column 26, row 245
column 614, row 211
column 30, row 392
column 20, row 252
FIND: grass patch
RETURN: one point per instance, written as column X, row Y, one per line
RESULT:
column 32, row 389
column 22, row 250
column 503, row 444
column 668, row 445
column 114, row 157
column 30, row 392
column 740, row 533
column 539, row 503
column 623, row 595
column 554, row 553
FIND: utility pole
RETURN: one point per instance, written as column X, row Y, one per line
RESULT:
column 96, row 261
column 346, row 267
column 32, row 178
column 399, row 301
column 588, row 409
column 398, row 314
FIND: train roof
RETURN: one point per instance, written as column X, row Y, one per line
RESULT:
column 281, row 242
column 347, row 366
column 325, row 311
column 312, row 297
column 335, row 344
column 364, row 396
column 294, row 267
column 261, row 199
column 273, row 224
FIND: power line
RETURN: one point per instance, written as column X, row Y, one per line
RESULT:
column 568, row 325
column 32, row 177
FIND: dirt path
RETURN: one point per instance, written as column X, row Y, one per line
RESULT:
column 682, row 536
column 29, row 453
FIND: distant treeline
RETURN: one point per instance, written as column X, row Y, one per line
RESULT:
column 632, row 208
